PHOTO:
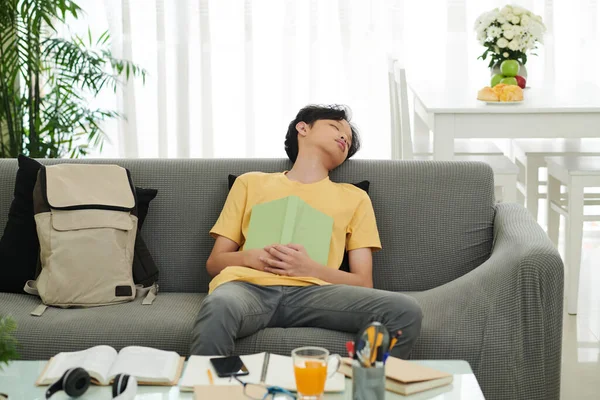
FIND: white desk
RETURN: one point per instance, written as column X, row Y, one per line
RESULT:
column 551, row 110
column 17, row 380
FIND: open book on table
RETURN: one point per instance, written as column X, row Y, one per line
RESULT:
column 149, row 366
column 280, row 372
column 290, row 220
column 405, row 377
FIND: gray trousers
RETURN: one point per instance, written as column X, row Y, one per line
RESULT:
column 238, row 309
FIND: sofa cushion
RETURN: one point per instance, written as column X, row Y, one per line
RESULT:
column 19, row 245
column 166, row 324
column 364, row 185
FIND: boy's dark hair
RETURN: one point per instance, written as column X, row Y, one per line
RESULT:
column 312, row 113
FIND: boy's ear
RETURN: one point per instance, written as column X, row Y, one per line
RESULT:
column 302, row 128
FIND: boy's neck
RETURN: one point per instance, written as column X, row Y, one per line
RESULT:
column 308, row 169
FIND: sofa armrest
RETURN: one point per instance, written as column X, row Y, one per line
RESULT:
column 509, row 310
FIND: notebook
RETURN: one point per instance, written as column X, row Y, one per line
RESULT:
column 280, row 372
column 149, row 366
column 290, row 220
column 406, row 377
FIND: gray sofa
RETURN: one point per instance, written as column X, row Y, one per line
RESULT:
column 488, row 279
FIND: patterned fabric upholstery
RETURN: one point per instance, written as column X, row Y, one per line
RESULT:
column 488, row 279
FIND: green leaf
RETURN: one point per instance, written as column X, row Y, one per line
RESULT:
column 8, row 344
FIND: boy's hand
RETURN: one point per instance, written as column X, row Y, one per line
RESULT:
column 253, row 259
column 289, row 260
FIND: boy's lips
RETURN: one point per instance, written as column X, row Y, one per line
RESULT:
column 342, row 144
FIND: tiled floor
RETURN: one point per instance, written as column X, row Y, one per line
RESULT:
column 581, row 333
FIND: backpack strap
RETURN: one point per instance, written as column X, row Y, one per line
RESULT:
column 150, row 292
column 31, row 288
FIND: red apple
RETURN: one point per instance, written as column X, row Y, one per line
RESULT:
column 521, row 81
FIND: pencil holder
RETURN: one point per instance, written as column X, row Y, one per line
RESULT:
column 368, row 383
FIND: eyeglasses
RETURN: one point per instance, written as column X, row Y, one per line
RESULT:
column 261, row 392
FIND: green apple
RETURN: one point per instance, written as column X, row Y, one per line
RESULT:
column 509, row 68
column 510, row 81
column 496, row 79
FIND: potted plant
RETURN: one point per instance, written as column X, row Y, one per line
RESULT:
column 8, row 344
column 508, row 34
column 46, row 81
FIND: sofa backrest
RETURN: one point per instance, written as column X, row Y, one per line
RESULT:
column 435, row 219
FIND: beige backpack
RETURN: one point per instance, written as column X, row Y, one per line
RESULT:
column 86, row 223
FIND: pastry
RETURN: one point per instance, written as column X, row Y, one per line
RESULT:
column 487, row 94
column 511, row 93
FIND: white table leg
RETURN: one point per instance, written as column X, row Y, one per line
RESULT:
column 443, row 137
column 553, row 217
column 532, row 183
column 574, row 241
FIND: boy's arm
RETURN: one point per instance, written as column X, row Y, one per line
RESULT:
column 227, row 232
column 225, row 254
column 293, row 260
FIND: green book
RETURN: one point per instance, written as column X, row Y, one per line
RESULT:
column 290, row 220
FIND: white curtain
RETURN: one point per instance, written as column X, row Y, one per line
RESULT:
column 227, row 76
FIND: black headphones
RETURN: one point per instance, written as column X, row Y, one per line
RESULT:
column 76, row 381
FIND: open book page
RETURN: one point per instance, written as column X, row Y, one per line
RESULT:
column 96, row 360
column 196, row 371
column 281, row 373
column 146, row 364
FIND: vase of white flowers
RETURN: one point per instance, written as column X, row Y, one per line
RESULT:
column 508, row 34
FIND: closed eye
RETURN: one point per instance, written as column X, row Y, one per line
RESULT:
column 335, row 126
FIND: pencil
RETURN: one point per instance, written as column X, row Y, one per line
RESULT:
column 210, row 377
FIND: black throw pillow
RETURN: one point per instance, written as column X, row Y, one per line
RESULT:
column 364, row 185
column 19, row 245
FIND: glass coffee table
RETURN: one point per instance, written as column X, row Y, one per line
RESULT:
column 17, row 380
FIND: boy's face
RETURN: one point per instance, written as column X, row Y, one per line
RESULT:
column 331, row 137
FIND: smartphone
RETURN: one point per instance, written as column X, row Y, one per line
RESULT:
column 229, row 366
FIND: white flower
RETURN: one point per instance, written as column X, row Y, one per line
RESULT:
column 506, row 10
column 494, row 32
column 513, row 45
column 505, row 54
column 536, row 30
column 518, row 10
column 502, row 43
column 509, row 16
column 515, row 19
column 506, row 27
column 501, row 19
column 509, row 34
column 530, row 43
column 525, row 20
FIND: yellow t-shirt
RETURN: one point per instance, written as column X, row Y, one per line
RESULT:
column 354, row 224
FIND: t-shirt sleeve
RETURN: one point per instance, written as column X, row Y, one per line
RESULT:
column 230, row 221
column 362, row 230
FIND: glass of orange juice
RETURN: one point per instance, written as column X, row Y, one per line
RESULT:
column 312, row 367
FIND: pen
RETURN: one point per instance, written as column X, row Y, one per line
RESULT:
column 210, row 377
column 394, row 340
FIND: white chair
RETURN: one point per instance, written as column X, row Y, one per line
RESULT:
column 529, row 154
column 422, row 146
column 576, row 173
column 505, row 172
